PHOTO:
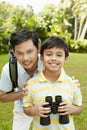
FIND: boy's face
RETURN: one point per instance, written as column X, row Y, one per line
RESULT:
column 27, row 55
column 53, row 59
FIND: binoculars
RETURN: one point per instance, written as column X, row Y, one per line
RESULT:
column 63, row 119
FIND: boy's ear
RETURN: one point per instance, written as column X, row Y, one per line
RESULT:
column 66, row 58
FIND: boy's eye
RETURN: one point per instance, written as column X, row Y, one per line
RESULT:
column 48, row 54
column 59, row 55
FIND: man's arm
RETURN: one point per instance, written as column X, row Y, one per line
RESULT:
column 12, row 96
column 76, row 81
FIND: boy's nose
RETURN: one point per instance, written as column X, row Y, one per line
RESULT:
column 54, row 57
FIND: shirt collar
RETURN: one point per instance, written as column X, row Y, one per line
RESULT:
column 60, row 79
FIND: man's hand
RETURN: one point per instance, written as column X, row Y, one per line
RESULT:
column 76, row 81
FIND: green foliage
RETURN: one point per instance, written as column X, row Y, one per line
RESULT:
column 21, row 17
column 79, row 46
column 11, row 19
column 5, row 25
column 59, row 20
column 3, row 60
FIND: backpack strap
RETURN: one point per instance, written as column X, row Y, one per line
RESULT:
column 13, row 71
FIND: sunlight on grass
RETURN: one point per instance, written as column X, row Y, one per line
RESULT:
column 76, row 66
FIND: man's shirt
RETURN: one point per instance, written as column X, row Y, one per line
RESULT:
column 23, row 76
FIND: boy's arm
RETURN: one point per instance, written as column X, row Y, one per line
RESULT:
column 30, row 111
column 75, row 107
column 37, row 110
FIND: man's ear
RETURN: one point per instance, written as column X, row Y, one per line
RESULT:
column 14, row 53
column 41, row 58
column 39, row 47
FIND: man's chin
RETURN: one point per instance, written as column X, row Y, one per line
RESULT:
column 27, row 67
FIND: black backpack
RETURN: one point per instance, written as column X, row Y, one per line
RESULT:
column 13, row 70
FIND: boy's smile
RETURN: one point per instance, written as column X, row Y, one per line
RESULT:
column 54, row 59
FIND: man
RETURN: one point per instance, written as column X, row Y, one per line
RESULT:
column 26, row 48
column 25, row 45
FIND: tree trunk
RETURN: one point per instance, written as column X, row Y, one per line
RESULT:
column 82, row 36
column 75, row 34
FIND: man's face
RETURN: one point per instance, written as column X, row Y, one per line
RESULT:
column 27, row 55
column 53, row 59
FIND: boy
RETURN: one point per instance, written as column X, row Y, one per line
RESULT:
column 51, row 81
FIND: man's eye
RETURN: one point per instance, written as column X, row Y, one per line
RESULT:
column 19, row 53
column 28, row 52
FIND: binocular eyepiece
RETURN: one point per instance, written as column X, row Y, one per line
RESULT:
column 63, row 119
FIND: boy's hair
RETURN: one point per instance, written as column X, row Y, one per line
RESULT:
column 54, row 41
column 23, row 35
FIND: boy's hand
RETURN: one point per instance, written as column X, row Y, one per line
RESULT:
column 65, row 108
column 42, row 111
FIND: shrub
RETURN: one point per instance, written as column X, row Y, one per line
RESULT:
column 79, row 46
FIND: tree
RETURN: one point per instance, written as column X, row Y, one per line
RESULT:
column 55, row 20
column 5, row 25
column 79, row 11
column 21, row 17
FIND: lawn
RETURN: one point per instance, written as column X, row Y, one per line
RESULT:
column 75, row 66
column 6, row 114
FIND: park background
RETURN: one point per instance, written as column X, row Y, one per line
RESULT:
column 67, row 19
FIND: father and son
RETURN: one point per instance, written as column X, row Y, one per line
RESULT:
column 42, row 84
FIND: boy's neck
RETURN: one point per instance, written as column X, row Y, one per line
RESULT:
column 51, row 76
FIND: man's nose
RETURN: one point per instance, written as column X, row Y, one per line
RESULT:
column 25, row 57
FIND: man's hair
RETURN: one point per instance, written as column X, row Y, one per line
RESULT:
column 54, row 41
column 23, row 35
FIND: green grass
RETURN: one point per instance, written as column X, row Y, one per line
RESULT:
column 75, row 66
column 6, row 113
column 3, row 60
column 6, row 116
